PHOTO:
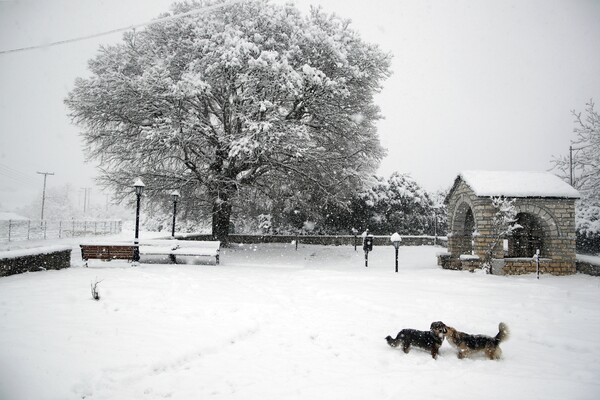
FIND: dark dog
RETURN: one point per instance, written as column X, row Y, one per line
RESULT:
column 428, row 340
column 467, row 344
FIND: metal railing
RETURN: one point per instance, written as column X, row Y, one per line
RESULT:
column 16, row 230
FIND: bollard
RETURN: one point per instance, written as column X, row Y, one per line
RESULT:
column 367, row 247
column 536, row 256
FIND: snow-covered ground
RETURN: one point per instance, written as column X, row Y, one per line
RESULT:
column 271, row 322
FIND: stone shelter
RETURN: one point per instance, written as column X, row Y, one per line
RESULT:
column 545, row 208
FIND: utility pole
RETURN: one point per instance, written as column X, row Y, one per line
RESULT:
column 86, row 198
column 571, row 164
column 44, row 191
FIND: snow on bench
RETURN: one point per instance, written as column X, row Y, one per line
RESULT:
column 174, row 248
column 158, row 247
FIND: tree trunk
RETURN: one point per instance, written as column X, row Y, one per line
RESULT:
column 221, row 217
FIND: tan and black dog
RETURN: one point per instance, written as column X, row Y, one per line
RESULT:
column 428, row 340
column 467, row 344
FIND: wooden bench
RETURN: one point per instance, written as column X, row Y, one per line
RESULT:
column 106, row 252
column 174, row 248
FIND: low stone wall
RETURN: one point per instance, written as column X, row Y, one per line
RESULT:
column 328, row 240
column 586, row 265
column 519, row 266
column 38, row 259
column 510, row 266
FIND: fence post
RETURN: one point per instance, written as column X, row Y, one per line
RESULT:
column 45, row 228
column 95, row 227
column 60, row 229
column 28, row 228
column 9, row 227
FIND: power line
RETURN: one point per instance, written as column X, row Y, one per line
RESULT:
column 16, row 176
column 127, row 28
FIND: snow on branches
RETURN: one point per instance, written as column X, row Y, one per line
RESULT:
column 583, row 164
column 503, row 225
column 252, row 94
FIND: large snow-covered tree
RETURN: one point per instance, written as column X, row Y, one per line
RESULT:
column 251, row 94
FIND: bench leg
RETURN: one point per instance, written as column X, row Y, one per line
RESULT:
column 217, row 260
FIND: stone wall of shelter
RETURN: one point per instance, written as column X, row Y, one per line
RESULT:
column 556, row 216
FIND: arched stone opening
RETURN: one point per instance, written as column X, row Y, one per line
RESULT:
column 528, row 238
column 463, row 226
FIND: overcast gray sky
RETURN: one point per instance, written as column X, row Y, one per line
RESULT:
column 476, row 85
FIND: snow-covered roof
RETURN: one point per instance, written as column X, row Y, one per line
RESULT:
column 518, row 184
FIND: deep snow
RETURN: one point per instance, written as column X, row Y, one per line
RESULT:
column 274, row 323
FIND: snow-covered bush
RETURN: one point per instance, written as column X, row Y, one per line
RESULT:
column 399, row 204
column 588, row 226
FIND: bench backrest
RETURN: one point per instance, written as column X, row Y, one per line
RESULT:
column 106, row 252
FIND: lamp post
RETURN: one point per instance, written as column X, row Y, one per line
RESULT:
column 435, row 225
column 354, row 232
column 396, row 239
column 139, row 189
column 175, row 196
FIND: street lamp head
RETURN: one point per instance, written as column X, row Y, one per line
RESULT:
column 139, row 186
column 175, row 195
column 396, row 239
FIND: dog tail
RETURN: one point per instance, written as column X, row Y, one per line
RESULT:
column 503, row 332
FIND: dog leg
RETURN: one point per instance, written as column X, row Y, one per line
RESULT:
column 434, row 353
column 406, row 347
column 496, row 353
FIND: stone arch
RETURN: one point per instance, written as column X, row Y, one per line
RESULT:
column 540, row 232
column 530, row 237
column 545, row 217
column 459, row 215
column 463, row 223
